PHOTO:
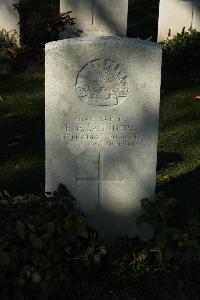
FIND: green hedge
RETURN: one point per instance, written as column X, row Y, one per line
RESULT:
column 181, row 55
column 8, row 46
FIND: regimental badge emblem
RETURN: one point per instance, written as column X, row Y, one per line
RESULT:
column 101, row 83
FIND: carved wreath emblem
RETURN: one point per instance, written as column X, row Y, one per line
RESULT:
column 101, row 83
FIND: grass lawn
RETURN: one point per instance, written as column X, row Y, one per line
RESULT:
column 22, row 124
column 22, row 157
column 22, row 132
column 22, row 171
column 178, row 168
column 22, row 136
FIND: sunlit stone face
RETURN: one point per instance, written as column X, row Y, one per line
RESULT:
column 196, row 15
column 97, row 17
column 102, row 107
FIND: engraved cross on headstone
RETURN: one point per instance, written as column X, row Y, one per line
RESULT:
column 100, row 179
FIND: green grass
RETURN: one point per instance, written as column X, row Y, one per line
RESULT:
column 179, row 147
column 22, row 124
column 22, row 132
column 22, row 136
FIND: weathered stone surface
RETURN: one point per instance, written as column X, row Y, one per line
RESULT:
column 102, row 108
column 196, row 15
column 97, row 17
column 174, row 15
column 9, row 18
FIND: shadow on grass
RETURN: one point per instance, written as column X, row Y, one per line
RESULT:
column 186, row 188
column 19, row 83
column 27, row 177
column 22, row 132
column 22, row 156
column 165, row 159
column 25, row 131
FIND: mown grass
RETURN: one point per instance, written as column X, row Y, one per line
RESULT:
column 22, row 124
column 22, row 132
column 22, row 136
column 179, row 143
column 22, row 155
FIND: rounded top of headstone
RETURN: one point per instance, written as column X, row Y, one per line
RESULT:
column 129, row 42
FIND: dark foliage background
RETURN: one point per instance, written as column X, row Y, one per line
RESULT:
column 38, row 21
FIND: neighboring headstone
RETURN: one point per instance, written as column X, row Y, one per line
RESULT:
column 9, row 17
column 102, row 109
column 196, row 15
column 174, row 15
column 96, row 17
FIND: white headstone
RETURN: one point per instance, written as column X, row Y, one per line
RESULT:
column 174, row 15
column 196, row 15
column 102, row 109
column 9, row 17
column 97, row 17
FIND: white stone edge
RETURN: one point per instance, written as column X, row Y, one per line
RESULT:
column 101, row 40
